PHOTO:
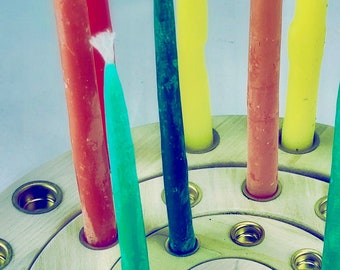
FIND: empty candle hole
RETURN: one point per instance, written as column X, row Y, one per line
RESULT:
column 247, row 234
column 259, row 199
column 37, row 197
column 315, row 144
column 195, row 194
column 5, row 253
column 320, row 208
column 215, row 143
column 306, row 259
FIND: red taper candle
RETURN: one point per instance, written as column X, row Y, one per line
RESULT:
column 85, row 121
column 100, row 21
column 263, row 97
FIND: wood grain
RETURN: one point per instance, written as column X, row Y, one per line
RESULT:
column 50, row 241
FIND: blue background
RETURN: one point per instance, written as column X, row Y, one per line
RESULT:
column 33, row 115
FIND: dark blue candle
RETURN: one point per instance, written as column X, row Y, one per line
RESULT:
column 175, row 170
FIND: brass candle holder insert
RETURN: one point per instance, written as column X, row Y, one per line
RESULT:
column 41, row 219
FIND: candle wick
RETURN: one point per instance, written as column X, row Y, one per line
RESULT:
column 103, row 43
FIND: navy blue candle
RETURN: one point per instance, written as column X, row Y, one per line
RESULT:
column 175, row 169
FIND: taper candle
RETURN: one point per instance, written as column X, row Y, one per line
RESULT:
column 305, row 50
column 129, row 215
column 100, row 21
column 263, row 97
column 332, row 232
column 175, row 170
column 87, row 137
column 192, row 32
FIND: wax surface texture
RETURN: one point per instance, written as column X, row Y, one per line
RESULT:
column 305, row 50
column 192, row 32
column 100, row 20
column 85, row 121
column 129, row 215
column 263, row 97
column 175, row 170
column 332, row 230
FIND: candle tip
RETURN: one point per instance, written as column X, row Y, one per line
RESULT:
column 103, row 43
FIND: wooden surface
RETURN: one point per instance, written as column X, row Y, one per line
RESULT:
column 50, row 241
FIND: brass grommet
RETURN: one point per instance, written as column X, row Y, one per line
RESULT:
column 215, row 143
column 83, row 241
column 315, row 144
column 306, row 259
column 247, row 234
column 170, row 251
column 195, row 194
column 253, row 198
column 6, row 253
column 37, row 197
column 320, row 208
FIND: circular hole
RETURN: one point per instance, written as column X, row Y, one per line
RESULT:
column 247, row 234
column 172, row 252
column 253, row 198
column 305, row 259
column 83, row 241
column 195, row 194
column 37, row 197
column 320, row 208
column 215, row 143
column 5, row 253
column 315, row 144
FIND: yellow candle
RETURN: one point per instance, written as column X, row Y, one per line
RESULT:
column 192, row 31
column 305, row 49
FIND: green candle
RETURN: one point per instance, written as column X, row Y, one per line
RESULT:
column 175, row 171
column 129, row 215
column 332, row 232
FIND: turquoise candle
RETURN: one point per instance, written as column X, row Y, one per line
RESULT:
column 332, row 231
column 127, row 201
column 182, row 239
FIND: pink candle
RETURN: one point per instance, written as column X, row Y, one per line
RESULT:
column 85, row 120
column 263, row 97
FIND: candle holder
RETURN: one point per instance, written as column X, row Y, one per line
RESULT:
column 232, row 229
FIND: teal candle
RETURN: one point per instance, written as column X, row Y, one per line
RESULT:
column 332, row 232
column 127, row 201
column 175, row 170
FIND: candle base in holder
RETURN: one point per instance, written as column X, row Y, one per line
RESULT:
column 290, row 228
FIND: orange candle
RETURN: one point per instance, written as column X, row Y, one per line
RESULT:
column 85, row 121
column 263, row 97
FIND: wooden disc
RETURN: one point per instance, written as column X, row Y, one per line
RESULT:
column 289, row 222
